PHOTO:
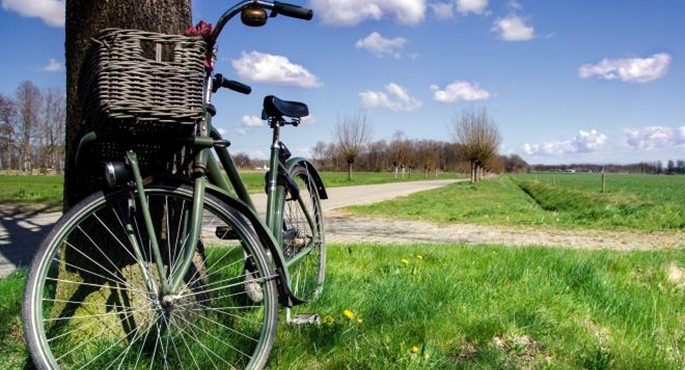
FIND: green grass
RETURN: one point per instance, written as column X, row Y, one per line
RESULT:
column 493, row 307
column 30, row 189
column 12, row 350
column 473, row 307
column 569, row 201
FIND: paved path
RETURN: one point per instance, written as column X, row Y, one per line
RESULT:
column 22, row 230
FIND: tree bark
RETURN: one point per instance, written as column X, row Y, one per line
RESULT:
column 84, row 19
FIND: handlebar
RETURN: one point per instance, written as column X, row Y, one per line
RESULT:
column 294, row 11
column 288, row 10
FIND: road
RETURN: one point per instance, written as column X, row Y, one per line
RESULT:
column 22, row 231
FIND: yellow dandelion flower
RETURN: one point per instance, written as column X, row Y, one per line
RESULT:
column 419, row 257
column 426, row 357
column 405, row 261
column 328, row 320
column 359, row 320
column 348, row 314
column 414, row 349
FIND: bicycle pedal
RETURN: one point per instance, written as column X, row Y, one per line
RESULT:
column 226, row 233
column 305, row 319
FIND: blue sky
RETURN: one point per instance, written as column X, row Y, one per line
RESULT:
column 565, row 80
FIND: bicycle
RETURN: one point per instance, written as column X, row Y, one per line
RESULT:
column 163, row 271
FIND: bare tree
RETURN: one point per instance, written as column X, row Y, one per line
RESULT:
column 8, row 113
column 399, row 151
column 29, row 105
column 479, row 137
column 352, row 135
column 242, row 160
column 52, row 128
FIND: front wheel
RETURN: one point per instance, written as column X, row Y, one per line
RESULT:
column 94, row 299
column 304, row 245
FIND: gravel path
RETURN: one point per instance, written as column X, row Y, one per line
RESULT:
column 345, row 228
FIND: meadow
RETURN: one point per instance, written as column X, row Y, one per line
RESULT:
column 471, row 307
column 630, row 202
column 440, row 306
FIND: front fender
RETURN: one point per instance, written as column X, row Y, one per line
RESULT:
column 320, row 188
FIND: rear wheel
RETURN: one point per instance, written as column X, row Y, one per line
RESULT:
column 93, row 301
column 304, row 245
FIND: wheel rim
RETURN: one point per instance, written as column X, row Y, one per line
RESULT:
column 94, row 309
column 307, row 274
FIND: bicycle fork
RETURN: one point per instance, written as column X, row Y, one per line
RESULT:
column 170, row 280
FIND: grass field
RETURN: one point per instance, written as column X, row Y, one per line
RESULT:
column 35, row 189
column 472, row 307
column 633, row 202
column 23, row 189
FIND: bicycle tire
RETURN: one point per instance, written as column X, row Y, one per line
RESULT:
column 96, row 312
column 307, row 276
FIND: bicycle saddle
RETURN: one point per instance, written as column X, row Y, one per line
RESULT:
column 275, row 107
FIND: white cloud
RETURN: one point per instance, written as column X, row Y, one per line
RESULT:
column 472, row 6
column 459, row 91
column 251, row 121
column 654, row 137
column 443, row 10
column 309, row 119
column 515, row 5
column 446, row 10
column 352, row 12
column 53, row 66
column 513, row 28
column 584, row 142
column 274, row 69
column 628, row 69
column 397, row 99
column 380, row 46
column 50, row 11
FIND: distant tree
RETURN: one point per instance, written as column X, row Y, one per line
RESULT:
column 680, row 166
column 376, row 156
column 52, row 128
column 8, row 113
column 325, row 156
column 242, row 160
column 515, row 164
column 29, row 102
column 659, row 167
column 479, row 137
column 398, row 151
column 352, row 134
column 670, row 167
column 429, row 153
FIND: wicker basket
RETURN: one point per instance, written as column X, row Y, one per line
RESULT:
column 140, row 80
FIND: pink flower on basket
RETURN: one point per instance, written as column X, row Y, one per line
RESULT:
column 202, row 29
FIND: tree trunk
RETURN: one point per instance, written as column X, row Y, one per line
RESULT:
column 349, row 171
column 84, row 19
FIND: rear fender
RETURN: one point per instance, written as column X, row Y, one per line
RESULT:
column 286, row 297
column 320, row 188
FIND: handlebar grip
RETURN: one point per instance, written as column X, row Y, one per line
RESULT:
column 294, row 11
column 237, row 86
column 220, row 81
